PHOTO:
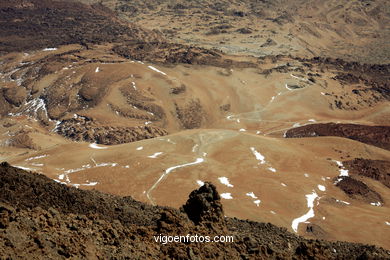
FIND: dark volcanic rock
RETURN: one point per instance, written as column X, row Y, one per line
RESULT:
column 37, row 24
column 358, row 190
column 173, row 53
column 375, row 169
column 204, row 205
column 86, row 129
column 374, row 135
column 26, row 190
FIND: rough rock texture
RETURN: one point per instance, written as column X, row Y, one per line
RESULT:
column 374, row 135
column 173, row 53
column 358, row 190
column 191, row 114
column 48, row 23
column 85, row 129
column 204, row 205
column 26, row 190
column 40, row 217
column 375, row 169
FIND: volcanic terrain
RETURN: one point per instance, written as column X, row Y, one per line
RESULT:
column 276, row 103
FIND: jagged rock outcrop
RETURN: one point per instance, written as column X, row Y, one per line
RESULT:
column 86, row 129
column 204, row 205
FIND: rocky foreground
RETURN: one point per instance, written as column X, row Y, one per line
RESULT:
column 39, row 217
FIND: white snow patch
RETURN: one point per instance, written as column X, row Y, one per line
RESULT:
column 97, row 69
column 148, row 123
column 90, row 184
column 296, row 125
column 37, row 157
column 170, row 141
column 273, row 212
column 242, row 130
column 195, row 148
column 342, row 170
column 339, row 163
column 49, row 49
column 200, row 183
column 284, row 185
column 33, row 106
column 56, row 126
column 321, row 187
column 64, row 183
column 61, row 176
column 225, row 181
column 257, row 202
column 140, row 148
column 312, row 120
column 134, row 86
column 73, row 170
column 37, row 164
column 24, row 168
column 106, row 164
column 226, row 196
column 295, row 77
column 251, row 194
column 344, row 202
column 310, row 204
column 306, row 175
column 272, row 169
column 258, row 132
column 155, row 155
column 378, row 204
column 156, row 70
column 96, row 146
column 258, row 155
column 387, row 223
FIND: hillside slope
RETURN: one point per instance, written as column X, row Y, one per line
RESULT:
column 40, row 217
column 352, row 30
